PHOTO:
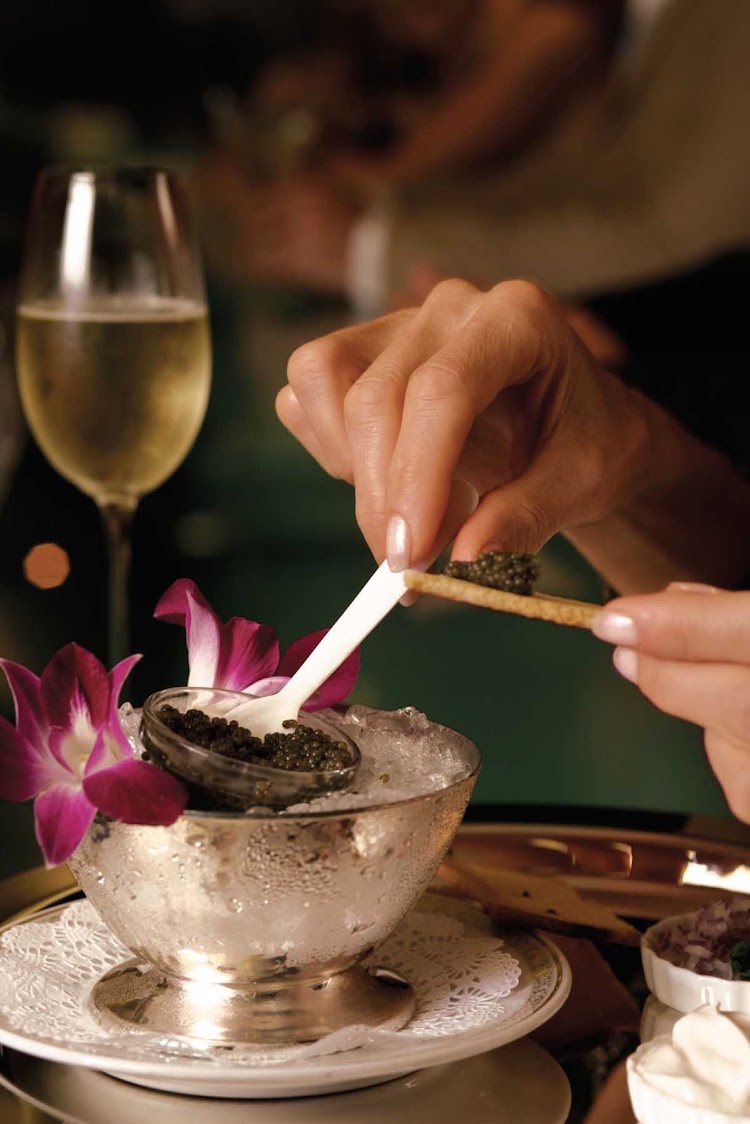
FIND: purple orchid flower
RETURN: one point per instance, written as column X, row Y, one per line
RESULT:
column 69, row 751
column 242, row 655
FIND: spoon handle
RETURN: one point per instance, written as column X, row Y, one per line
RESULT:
column 373, row 602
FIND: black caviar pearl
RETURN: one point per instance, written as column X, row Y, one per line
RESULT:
column 498, row 569
column 300, row 747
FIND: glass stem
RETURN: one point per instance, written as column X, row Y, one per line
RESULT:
column 117, row 517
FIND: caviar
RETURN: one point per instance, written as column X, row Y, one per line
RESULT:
column 498, row 569
column 302, row 748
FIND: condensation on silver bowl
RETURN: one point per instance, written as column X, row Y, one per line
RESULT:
column 243, row 898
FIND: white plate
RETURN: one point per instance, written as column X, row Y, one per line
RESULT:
column 517, row 1084
column 45, row 981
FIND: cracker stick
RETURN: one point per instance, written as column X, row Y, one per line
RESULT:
column 541, row 606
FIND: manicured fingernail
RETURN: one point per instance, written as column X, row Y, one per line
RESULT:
column 626, row 662
column 467, row 495
column 398, row 544
column 693, row 587
column 615, row 627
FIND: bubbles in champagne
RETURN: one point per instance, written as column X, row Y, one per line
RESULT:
column 114, row 390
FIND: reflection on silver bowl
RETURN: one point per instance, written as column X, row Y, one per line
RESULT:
column 250, row 928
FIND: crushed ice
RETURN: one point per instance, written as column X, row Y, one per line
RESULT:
column 404, row 755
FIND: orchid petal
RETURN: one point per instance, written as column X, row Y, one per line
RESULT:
column 25, row 688
column 105, row 752
column 133, row 791
column 270, row 686
column 75, row 686
column 58, row 741
column 63, row 815
column 117, row 677
column 203, row 644
column 273, row 685
column 247, row 651
column 172, row 606
column 227, row 656
column 184, row 604
column 336, row 687
column 25, row 768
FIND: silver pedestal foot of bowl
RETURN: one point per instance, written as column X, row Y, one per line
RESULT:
column 137, row 995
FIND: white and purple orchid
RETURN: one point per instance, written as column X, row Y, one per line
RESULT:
column 69, row 751
column 242, row 655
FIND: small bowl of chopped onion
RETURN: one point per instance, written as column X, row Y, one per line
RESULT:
column 702, row 957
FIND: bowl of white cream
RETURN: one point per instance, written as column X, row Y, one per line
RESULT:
column 698, row 1074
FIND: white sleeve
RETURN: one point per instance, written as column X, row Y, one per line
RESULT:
column 367, row 261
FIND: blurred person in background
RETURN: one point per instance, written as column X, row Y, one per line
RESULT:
column 497, row 75
column 434, row 85
column 634, row 167
column 402, row 93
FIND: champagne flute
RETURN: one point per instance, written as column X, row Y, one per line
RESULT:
column 113, row 350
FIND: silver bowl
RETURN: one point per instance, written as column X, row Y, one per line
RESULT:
column 251, row 927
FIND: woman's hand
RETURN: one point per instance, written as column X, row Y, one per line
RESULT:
column 491, row 387
column 688, row 650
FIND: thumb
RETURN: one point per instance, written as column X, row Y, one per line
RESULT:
column 569, row 481
column 507, row 519
column 685, row 625
column 554, row 492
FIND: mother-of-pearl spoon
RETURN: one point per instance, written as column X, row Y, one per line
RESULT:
column 373, row 602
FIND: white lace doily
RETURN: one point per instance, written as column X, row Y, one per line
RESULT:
column 471, row 987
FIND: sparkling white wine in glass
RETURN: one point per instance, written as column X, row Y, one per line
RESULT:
column 115, row 391
column 112, row 351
